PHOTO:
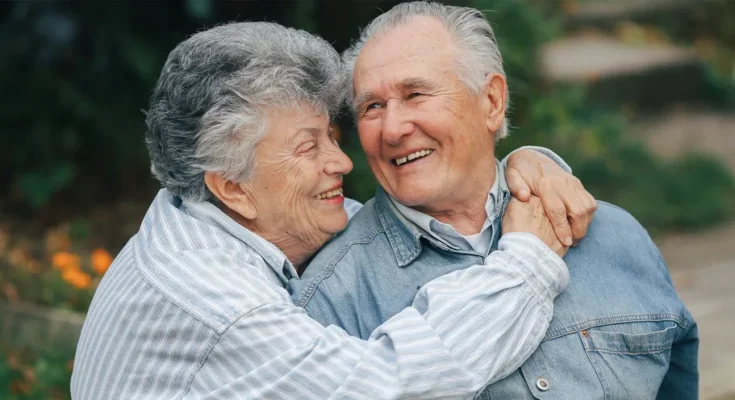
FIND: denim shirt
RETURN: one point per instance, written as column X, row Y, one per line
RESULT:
column 619, row 331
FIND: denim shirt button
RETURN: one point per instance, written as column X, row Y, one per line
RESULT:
column 542, row 384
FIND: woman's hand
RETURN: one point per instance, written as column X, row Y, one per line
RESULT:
column 567, row 204
column 529, row 217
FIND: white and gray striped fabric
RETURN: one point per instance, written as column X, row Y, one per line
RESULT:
column 196, row 307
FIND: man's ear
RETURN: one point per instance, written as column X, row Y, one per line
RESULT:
column 236, row 196
column 496, row 94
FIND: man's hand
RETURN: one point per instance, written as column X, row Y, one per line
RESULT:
column 566, row 202
column 530, row 217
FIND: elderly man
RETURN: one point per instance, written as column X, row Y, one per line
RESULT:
column 430, row 99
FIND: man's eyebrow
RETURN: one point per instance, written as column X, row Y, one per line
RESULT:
column 416, row 83
column 406, row 84
column 361, row 98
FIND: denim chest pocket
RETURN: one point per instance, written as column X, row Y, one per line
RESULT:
column 638, row 338
column 630, row 359
column 624, row 360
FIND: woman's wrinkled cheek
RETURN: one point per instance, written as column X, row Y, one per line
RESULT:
column 296, row 191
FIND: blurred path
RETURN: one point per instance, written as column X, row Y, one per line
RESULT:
column 703, row 269
column 702, row 263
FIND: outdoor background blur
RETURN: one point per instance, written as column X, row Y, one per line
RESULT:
column 637, row 95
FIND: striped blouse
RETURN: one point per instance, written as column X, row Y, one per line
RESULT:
column 196, row 307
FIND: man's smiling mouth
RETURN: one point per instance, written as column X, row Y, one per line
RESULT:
column 412, row 157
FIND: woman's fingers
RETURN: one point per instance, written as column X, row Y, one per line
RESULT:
column 517, row 185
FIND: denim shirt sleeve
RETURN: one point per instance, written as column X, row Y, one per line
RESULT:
column 681, row 381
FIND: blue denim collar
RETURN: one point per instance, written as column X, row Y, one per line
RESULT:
column 405, row 237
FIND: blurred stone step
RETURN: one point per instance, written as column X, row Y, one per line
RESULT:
column 685, row 130
column 646, row 76
column 39, row 328
column 606, row 14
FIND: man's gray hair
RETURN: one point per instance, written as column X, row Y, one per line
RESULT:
column 208, row 109
column 477, row 50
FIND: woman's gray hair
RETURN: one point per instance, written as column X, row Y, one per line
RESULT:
column 208, row 110
column 478, row 53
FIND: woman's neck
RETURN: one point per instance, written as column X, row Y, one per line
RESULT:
column 297, row 248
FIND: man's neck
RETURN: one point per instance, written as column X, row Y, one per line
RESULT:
column 467, row 213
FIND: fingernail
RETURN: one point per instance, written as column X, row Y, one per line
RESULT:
column 567, row 241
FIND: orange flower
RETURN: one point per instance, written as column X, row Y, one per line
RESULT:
column 77, row 278
column 64, row 261
column 101, row 260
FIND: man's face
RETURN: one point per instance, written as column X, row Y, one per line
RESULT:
column 427, row 138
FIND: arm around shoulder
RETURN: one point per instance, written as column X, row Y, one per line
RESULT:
column 464, row 330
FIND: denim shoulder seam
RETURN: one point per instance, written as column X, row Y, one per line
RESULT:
column 310, row 289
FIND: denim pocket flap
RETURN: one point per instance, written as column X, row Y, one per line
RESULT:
column 630, row 338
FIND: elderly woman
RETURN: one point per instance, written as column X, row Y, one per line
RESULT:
column 197, row 305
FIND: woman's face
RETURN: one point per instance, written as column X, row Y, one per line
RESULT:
column 297, row 183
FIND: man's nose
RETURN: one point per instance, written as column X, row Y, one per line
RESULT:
column 337, row 162
column 396, row 125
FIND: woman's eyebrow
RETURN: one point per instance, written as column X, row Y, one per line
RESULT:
column 310, row 130
column 302, row 134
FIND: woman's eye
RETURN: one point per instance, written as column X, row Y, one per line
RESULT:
column 306, row 147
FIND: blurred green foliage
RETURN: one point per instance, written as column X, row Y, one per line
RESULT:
column 31, row 375
column 75, row 77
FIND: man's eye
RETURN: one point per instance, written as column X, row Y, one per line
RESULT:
column 414, row 95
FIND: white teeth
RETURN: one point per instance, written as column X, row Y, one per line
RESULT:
column 413, row 156
column 329, row 194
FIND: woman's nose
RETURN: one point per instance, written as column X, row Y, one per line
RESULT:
column 337, row 163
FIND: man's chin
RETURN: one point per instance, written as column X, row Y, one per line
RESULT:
column 414, row 193
column 411, row 199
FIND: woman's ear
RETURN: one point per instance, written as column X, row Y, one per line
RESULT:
column 496, row 94
column 235, row 196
